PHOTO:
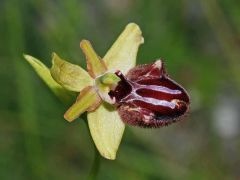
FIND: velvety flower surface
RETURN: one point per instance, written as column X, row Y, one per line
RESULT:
column 147, row 97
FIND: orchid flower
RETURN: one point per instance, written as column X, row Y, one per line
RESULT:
column 114, row 91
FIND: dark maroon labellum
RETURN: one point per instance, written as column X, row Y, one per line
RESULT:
column 147, row 97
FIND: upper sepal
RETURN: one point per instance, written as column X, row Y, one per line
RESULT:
column 123, row 53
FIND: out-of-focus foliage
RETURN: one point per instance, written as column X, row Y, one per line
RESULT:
column 199, row 41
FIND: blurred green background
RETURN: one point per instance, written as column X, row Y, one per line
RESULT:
column 200, row 43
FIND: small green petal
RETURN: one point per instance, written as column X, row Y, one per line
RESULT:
column 87, row 100
column 70, row 76
column 109, row 79
column 106, row 129
column 45, row 75
column 104, row 84
column 122, row 55
column 95, row 65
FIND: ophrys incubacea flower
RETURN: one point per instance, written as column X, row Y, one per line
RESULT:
column 113, row 90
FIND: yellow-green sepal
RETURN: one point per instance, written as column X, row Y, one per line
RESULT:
column 44, row 73
column 106, row 129
column 123, row 53
column 70, row 76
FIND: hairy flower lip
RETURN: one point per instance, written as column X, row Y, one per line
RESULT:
column 139, row 87
column 135, row 86
column 147, row 96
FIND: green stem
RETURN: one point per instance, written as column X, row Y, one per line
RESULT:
column 97, row 159
column 95, row 166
